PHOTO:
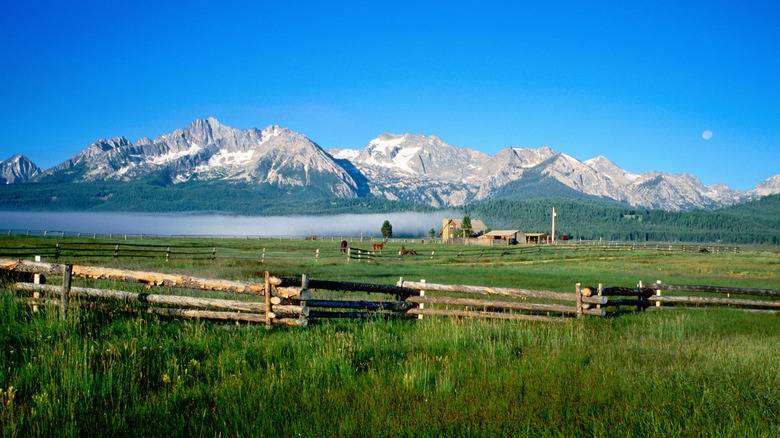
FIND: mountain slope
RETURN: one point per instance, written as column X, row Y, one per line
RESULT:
column 18, row 169
column 208, row 151
column 409, row 168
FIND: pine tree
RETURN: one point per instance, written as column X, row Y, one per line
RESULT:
column 466, row 227
column 387, row 229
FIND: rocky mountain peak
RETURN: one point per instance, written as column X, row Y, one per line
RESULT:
column 769, row 186
column 273, row 130
column 18, row 169
column 409, row 167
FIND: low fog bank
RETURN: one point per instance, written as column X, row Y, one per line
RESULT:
column 409, row 224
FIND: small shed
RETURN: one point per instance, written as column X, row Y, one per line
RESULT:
column 537, row 238
column 511, row 237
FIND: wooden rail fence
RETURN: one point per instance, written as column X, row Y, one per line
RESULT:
column 296, row 301
column 290, row 301
column 658, row 295
column 280, row 305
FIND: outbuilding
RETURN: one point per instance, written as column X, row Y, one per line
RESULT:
column 537, row 238
column 508, row 237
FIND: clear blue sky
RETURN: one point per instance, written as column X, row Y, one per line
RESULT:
column 638, row 82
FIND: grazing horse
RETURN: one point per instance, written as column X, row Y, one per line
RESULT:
column 311, row 238
column 378, row 246
column 344, row 246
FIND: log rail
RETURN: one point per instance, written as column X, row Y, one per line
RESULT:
column 656, row 296
column 290, row 301
column 281, row 305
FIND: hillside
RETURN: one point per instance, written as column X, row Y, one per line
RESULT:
column 754, row 222
column 220, row 197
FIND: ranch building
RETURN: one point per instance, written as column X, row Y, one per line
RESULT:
column 538, row 238
column 450, row 228
column 505, row 237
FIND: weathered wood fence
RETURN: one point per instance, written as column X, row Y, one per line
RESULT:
column 297, row 301
column 279, row 304
column 291, row 301
column 658, row 295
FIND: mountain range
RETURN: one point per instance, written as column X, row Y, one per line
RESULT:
column 411, row 168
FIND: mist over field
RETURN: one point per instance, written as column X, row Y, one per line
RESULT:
column 404, row 224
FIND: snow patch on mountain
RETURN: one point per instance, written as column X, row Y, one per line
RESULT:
column 226, row 158
column 175, row 155
column 398, row 158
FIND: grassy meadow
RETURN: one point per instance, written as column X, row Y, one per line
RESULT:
column 712, row 372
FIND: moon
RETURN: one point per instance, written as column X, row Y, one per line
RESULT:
column 706, row 134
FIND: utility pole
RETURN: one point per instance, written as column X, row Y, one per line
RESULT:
column 553, row 226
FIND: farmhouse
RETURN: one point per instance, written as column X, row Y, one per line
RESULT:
column 537, row 238
column 508, row 237
column 450, row 228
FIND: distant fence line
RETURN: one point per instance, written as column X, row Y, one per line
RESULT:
column 330, row 251
column 293, row 301
column 141, row 236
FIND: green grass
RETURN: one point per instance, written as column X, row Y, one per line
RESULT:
column 672, row 373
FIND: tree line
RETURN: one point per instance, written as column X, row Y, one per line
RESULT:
column 755, row 222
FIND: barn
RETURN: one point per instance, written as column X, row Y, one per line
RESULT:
column 508, row 237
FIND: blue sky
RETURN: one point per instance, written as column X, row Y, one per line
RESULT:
column 638, row 82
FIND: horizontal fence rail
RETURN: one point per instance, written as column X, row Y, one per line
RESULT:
column 290, row 300
column 657, row 296
column 296, row 301
column 280, row 305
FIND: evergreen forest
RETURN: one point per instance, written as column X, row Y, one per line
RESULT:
column 754, row 222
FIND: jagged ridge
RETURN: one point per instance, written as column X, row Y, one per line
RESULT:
column 411, row 168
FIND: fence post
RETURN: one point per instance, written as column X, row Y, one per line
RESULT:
column 578, row 292
column 658, row 294
column 304, row 287
column 116, row 252
column 422, row 294
column 349, row 254
column 36, row 280
column 213, row 253
column 267, row 292
column 67, row 271
column 432, row 253
column 599, row 292
column 640, row 285
column 57, row 251
column 317, row 255
column 167, row 253
column 262, row 258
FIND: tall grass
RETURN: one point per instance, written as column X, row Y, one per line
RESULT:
column 675, row 373
column 672, row 373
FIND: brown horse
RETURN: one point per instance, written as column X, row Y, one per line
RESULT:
column 378, row 246
column 344, row 246
column 404, row 251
